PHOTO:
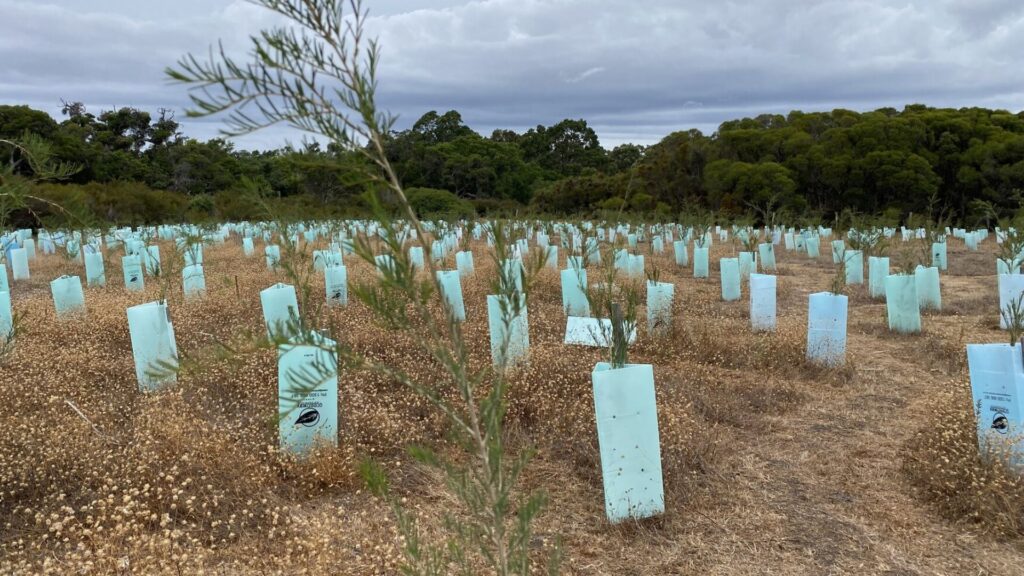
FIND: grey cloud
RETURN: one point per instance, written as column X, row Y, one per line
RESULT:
column 633, row 69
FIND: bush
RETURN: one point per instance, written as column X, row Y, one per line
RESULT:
column 134, row 203
column 641, row 202
column 200, row 208
column 234, row 205
column 613, row 204
column 433, row 203
column 119, row 203
column 495, row 207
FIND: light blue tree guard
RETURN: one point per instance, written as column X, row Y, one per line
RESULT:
column 901, row 304
column 593, row 252
column 1004, row 267
column 551, row 258
column 273, row 255
column 247, row 247
column 153, row 345
column 307, row 392
column 636, row 266
column 513, row 270
column 627, row 432
column 574, row 296
column 67, row 295
column 766, row 251
column 151, row 257
column 682, row 257
column 878, row 270
column 854, row 267
column 131, row 267
column 19, row 264
column 193, row 280
column 762, row 302
column 336, row 285
column 813, row 246
column 451, row 291
column 280, row 310
column 622, row 260
column 95, row 274
column 838, row 251
column 748, row 265
column 321, row 258
column 194, row 254
column 997, row 384
column 518, row 330
column 729, row 268
column 385, row 264
column 464, row 263
column 1011, row 289
column 659, row 307
column 700, row 262
column 6, row 316
column 826, row 328
column 939, row 257
column 416, row 258
column 929, row 290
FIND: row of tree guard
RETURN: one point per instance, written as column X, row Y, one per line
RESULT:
column 624, row 396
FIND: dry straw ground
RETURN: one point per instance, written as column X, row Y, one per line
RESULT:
column 771, row 466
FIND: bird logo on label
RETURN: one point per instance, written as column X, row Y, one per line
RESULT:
column 308, row 418
column 1000, row 424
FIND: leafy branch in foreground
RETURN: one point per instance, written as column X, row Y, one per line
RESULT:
column 34, row 155
column 320, row 76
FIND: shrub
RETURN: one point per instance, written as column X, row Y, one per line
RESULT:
column 641, row 201
column 200, row 207
column 433, row 203
column 613, row 204
column 117, row 203
column 499, row 207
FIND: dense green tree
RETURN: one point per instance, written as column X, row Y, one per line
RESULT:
column 888, row 160
column 124, row 129
column 432, row 128
column 16, row 120
column 624, row 157
column 736, row 187
column 567, row 148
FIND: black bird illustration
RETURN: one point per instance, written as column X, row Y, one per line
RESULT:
column 1001, row 424
column 308, row 417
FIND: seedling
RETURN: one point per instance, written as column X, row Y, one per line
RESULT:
column 653, row 273
column 839, row 278
column 323, row 80
column 7, row 340
column 607, row 299
column 1013, row 317
column 750, row 240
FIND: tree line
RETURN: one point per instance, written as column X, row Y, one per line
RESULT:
column 957, row 163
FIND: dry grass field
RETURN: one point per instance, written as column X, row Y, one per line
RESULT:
column 771, row 466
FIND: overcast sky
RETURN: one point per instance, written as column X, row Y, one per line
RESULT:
column 636, row 70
